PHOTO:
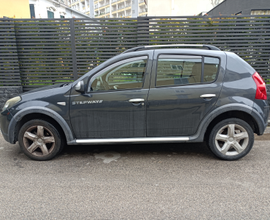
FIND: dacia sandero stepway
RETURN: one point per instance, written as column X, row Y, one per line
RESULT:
column 148, row 94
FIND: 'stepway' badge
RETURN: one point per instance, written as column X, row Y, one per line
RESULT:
column 87, row 102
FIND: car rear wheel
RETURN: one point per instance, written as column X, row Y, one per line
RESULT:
column 231, row 139
column 39, row 140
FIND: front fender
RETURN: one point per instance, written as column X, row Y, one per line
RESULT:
column 42, row 110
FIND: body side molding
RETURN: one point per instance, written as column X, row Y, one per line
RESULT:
column 130, row 140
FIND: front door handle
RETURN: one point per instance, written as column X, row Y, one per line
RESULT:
column 136, row 100
column 208, row 96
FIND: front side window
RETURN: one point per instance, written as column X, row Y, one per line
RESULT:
column 129, row 75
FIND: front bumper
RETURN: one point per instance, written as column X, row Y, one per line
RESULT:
column 5, row 118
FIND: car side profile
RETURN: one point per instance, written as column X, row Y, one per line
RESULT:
column 148, row 94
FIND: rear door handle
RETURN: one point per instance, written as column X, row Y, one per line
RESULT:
column 208, row 96
column 136, row 100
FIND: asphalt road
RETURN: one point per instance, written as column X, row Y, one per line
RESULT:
column 166, row 181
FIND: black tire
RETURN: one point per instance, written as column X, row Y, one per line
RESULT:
column 39, row 140
column 231, row 139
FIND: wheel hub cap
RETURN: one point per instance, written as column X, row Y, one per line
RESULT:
column 40, row 141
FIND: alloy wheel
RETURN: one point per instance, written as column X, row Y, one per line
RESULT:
column 231, row 139
column 39, row 140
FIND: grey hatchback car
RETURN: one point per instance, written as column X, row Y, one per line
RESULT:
column 148, row 94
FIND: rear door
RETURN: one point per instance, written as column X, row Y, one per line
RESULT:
column 184, row 88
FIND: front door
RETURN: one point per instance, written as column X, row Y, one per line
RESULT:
column 114, row 105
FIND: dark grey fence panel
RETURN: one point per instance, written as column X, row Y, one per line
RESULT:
column 45, row 52
column 99, row 40
column 9, row 65
column 249, row 37
column 38, row 52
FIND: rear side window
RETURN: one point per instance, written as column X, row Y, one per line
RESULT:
column 182, row 70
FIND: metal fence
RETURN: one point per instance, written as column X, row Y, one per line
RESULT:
column 38, row 52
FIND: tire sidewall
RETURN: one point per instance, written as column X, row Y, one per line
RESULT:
column 217, row 127
column 48, row 126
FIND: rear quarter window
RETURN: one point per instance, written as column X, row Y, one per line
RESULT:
column 211, row 67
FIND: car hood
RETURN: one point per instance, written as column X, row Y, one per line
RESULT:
column 47, row 92
column 46, row 88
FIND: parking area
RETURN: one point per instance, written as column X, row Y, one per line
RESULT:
column 161, row 181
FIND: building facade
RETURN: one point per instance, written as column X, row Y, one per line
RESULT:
column 135, row 8
column 53, row 9
column 111, row 8
column 14, row 9
column 180, row 7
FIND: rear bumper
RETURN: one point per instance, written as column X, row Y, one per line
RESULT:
column 261, row 118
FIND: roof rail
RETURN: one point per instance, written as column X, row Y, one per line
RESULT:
column 202, row 46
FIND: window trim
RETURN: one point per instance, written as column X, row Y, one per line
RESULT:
column 187, row 55
column 111, row 66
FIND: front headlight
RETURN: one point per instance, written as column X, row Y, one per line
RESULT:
column 9, row 103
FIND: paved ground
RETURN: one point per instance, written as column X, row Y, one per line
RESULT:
column 135, row 182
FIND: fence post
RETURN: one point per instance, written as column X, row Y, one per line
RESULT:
column 73, row 49
column 142, row 31
column 10, row 78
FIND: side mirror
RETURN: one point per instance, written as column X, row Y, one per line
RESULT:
column 80, row 87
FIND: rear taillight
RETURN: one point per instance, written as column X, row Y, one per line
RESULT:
column 261, row 89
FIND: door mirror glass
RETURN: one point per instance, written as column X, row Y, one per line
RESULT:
column 80, row 86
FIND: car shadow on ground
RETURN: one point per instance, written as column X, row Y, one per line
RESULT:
column 162, row 149
column 192, row 149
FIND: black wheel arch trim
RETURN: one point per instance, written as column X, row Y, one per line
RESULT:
column 199, row 136
column 42, row 110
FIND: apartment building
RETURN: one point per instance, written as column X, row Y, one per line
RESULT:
column 52, row 9
column 135, row 8
column 110, row 8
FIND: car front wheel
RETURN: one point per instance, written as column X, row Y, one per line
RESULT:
column 39, row 140
column 231, row 139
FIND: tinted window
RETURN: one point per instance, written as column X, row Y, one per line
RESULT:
column 211, row 66
column 178, row 70
column 50, row 14
column 129, row 75
column 32, row 11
